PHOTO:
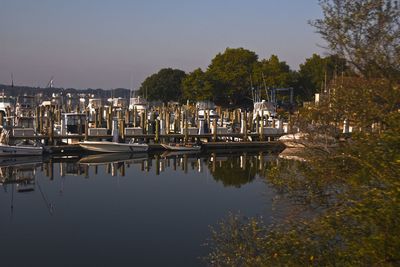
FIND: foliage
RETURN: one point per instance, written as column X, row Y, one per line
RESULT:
column 273, row 72
column 352, row 197
column 230, row 75
column 232, row 69
column 364, row 32
column 197, row 86
column 166, row 85
column 316, row 71
column 350, row 194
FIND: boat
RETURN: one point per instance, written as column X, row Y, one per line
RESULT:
column 21, row 149
column 182, row 147
column 113, row 147
column 304, row 140
column 138, row 103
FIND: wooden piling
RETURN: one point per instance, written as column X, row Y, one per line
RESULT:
column 127, row 119
column 245, row 125
column 1, row 118
column 215, row 130
column 157, row 138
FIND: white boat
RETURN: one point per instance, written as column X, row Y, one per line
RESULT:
column 113, row 147
column 7, row 150
column 25, row 148
column 264, row 108
column 138, row 103
column 304, row 140
column 182, row 147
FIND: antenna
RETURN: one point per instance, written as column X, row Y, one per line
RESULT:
column 252, row 89
column 265, row 86
column 12, row 80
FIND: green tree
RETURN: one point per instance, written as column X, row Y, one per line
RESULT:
column 197, row 86
column 364, row 32
column 274, row 72
column 317, row 71
column 231, row 72
column 166, row 85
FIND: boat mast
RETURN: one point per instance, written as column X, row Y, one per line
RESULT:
column 265, row 87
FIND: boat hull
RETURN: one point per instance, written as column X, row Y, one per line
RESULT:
column 302, row 140
column 6, row 150
column 181, row 148
column 113, row 147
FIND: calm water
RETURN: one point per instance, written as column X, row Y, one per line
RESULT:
column 150, row 210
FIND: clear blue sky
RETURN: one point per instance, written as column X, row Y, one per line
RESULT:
column 118, row 43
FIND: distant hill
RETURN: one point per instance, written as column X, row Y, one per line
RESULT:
column 17, row 90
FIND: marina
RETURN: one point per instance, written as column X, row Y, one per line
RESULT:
column 199, row 133
column 118, row 125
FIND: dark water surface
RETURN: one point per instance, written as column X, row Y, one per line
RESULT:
column 115, row 210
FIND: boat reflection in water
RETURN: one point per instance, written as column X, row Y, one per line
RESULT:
column 20, row 171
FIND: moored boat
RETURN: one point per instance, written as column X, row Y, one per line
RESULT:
column 182, row 147
column 113, row 147
column 304, row 140
column 25, row 148
column 7, row 150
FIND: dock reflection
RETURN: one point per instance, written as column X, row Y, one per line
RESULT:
column 230, row 169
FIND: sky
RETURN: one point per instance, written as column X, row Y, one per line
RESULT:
column 118, row 43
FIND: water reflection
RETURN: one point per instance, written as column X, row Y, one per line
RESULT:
column 156, row 208
column 231, row 169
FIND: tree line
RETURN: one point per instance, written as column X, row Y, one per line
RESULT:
column 232, row 75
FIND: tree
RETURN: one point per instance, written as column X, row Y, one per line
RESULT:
column 364, row 32
column 197, row 85
column 272, row 73
column 275, row 73
column 166, row 85
column 231, row 72
column 317, row 71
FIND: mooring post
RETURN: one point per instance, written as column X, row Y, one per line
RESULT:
column 261, row 130
column 245, row 125
column 257, row 124
column 157, row 132
column 215, row 130
column 51, row 127
column 1, row 119
column 167, row 122
column 37, row 117
column 101, row 112
column 127, row 119
column 86, row 128
column 134, row 116
column 122, row 129
column 41, row 119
